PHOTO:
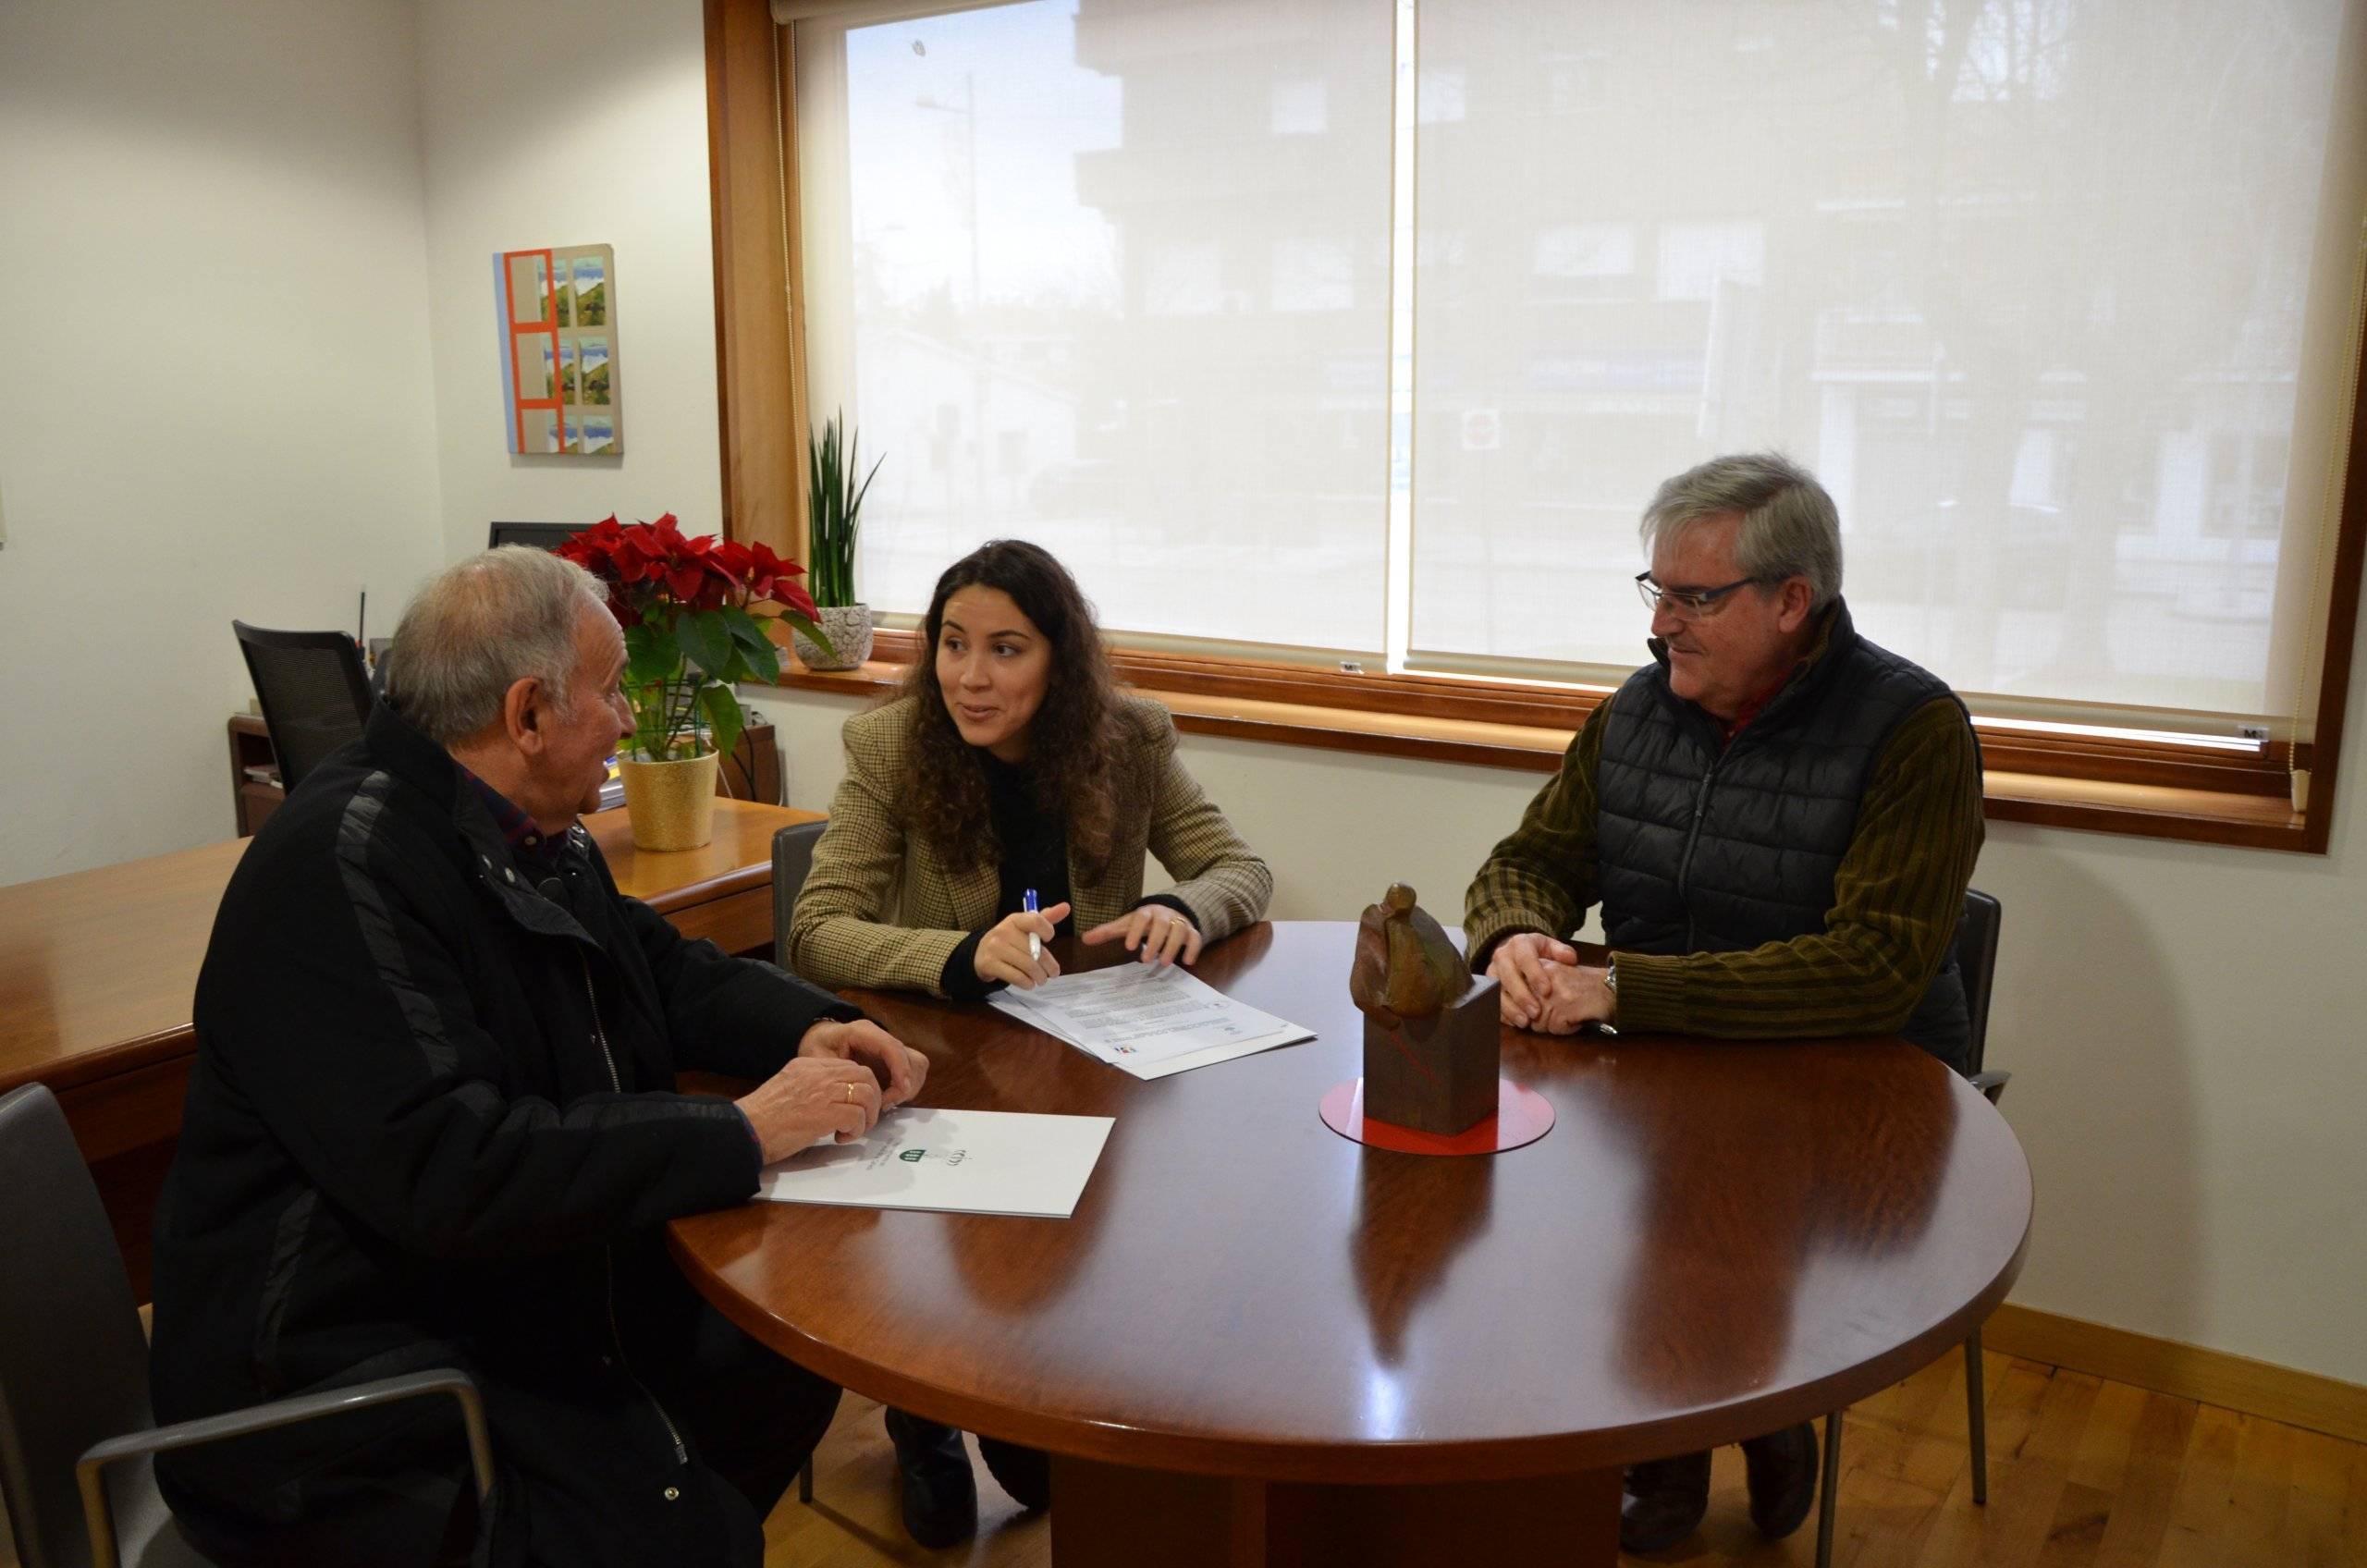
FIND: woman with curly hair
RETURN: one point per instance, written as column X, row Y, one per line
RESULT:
column 1008, row 764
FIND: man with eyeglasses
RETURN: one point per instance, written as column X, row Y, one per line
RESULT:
column 1779, row 820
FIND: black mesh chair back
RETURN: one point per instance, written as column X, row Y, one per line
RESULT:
column 73, row 1362
column 793, row 858
column 1977, row 959
column 315, row 697
column 537, row 535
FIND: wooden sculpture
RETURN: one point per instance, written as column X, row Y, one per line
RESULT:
column 1430, row 1027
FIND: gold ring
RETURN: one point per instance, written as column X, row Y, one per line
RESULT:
column 850, row 1089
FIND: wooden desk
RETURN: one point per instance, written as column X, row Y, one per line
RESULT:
column 98, row 968
column 1258, row 1342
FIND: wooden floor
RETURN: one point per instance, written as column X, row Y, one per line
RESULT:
column 2082, row 1473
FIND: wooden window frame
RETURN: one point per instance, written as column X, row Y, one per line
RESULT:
column 2148, row 789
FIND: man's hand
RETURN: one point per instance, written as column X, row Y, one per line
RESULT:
column 1002, row 954
column 898, row 1070
column 1163, row 936
column 1520, row 966
column 1574, row 997
column 811, row 1097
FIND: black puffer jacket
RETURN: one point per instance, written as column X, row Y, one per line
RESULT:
column 1706, row 847
column 432, row 1120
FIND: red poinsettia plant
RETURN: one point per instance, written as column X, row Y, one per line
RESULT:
column 694, row 612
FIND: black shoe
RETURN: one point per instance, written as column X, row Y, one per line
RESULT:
column 1024, row 1473
column 1781, row 1468
column 1663, row 1502
column 940, row 1500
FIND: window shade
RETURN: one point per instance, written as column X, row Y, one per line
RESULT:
column 2028, row 283
column 1114, row 279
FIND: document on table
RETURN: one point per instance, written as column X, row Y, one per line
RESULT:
column 1149, row 1020
column 951, row 1161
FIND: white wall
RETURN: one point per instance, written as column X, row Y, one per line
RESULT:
column 564, row 122
column 214, row 386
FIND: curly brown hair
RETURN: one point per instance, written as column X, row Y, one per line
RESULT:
column 1076, row 763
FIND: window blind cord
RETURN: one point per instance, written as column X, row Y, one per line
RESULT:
column 2337, row 475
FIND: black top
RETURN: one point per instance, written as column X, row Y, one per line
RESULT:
column 1035, row 853
column 432, row 1122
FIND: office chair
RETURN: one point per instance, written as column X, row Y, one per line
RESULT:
column 76, row 1437
column 539, row 535
column 793, row 858
column 1976, row 960
column 315, row 695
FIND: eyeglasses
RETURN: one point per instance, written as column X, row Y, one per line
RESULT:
column 1689, row 602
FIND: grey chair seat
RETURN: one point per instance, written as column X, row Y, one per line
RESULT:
column 77, row 1436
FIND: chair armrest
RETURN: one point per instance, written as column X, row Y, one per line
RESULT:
column 1992, row 1082
column 262, row 1418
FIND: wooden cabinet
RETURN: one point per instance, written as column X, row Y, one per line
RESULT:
column 254, row 775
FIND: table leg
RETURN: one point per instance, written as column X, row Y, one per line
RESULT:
column 1116, row 1516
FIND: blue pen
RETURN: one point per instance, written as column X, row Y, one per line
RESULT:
column 1034, row 944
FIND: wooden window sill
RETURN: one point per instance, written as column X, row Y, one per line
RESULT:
column 2157, row 807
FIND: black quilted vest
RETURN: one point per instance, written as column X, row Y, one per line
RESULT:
column 1704, row 848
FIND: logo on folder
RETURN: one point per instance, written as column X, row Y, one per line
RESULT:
column 913, row 1157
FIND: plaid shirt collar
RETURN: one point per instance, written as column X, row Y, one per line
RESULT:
column 535, row 852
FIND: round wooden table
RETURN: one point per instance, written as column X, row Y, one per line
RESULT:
column 1258, row 1341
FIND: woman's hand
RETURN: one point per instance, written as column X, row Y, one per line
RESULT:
column 1002, row 951
column 1161, row 934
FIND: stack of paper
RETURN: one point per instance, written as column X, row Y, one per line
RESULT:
column 954, row 1162
column 1149, row 1019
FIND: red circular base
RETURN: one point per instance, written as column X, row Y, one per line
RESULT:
column 1522, row 1117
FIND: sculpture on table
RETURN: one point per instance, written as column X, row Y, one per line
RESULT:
column 1432, row 1047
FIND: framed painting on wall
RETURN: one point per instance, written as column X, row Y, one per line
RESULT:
column 559, row 386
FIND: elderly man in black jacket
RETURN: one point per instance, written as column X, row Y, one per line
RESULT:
column 432, row 1122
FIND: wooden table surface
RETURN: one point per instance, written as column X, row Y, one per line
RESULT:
column 1714, row 1240
column 98, row 969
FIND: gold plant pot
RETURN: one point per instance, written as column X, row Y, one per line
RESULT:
column 670, row 804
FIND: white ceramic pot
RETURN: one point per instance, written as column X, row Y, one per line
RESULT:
column 849, row 629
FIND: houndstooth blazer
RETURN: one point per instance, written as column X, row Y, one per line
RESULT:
column 880, row 909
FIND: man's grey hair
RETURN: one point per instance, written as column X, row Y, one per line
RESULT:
column 479, row 626
column 1789, row 525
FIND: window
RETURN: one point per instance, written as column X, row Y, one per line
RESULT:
column 1205, row 239
column 1360, row 328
